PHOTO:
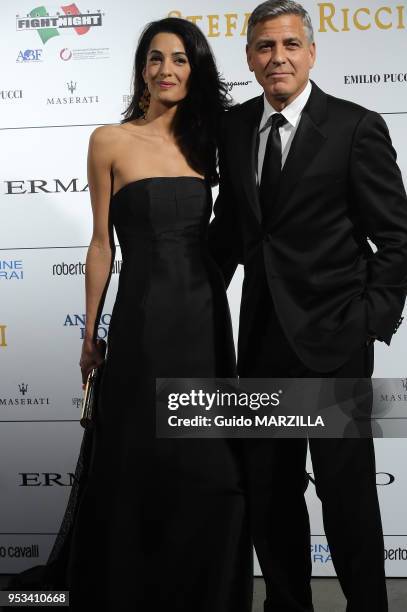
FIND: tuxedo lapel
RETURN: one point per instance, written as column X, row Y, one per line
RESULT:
column 248, row 127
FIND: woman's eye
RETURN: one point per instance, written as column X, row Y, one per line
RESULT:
column 155, row 59
column 180, row 60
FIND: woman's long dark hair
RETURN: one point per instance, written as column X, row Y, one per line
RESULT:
column 196, row 121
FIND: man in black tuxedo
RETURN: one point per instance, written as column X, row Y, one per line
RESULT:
column 306, row 179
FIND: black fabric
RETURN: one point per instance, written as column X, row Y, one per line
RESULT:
column 339, row 186
column 313, row 289
column 158, row 523
column 345, row 481
column 271, row 171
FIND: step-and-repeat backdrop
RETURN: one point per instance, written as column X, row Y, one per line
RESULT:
column 61, row 76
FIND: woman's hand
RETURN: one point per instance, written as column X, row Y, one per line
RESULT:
column 91, row 357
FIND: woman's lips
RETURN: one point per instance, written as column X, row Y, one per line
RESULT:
column 165, row 85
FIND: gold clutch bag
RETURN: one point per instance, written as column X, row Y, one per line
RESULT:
column 90, row 396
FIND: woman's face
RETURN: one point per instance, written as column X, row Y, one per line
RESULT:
column 167, row 69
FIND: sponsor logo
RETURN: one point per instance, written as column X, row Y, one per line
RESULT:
column 77, row 402
column 226, row 24
column 79, row 321
column 72, row 87
column 331, row 18
column 78, row 268
column 46, row 479
column 320, row 553
column 391, row 398
column 11, row 94
column 11, row 269
column 232, row 84
column 395, row 554
column 3, row 341
column 32, row 550
column 24, row 401
column 84, row 54
column 69, row 19
column 383, row 479
column 375, row 79
column 65, row 54
column 71, row 269
column 335, row 19
column 29, row 55
column 44, row 186
column 23, row 388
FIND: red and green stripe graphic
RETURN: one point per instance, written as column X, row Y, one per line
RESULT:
column 72, row 9
column 46, row 33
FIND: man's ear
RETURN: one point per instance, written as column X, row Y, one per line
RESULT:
column 248, row 58
column 313, row 54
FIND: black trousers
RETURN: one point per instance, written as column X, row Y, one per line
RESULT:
column 345, row 480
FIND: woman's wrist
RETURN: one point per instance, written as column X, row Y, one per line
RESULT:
column 88, row 339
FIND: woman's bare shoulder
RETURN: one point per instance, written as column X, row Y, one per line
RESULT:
column 114, row 134
column 106, row 134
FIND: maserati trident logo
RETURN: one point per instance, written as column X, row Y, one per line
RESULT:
column 23, row 388
column 71, row 86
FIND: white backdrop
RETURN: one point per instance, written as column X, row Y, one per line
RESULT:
column 56, row 85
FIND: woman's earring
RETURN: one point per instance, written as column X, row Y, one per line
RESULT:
column 144, row 102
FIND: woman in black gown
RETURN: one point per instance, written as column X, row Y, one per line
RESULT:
column 156, row 523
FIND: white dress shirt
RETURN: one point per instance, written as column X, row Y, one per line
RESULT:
column 292, row 113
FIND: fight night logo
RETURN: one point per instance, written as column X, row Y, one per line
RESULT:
column 49, row 26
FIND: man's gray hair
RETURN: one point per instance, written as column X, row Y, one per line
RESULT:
column 275, row 8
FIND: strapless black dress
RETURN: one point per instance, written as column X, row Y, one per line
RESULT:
column 158, row 524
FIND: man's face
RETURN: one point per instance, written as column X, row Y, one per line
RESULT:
column 281, row 57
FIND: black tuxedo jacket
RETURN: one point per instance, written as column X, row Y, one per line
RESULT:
column 340, row 185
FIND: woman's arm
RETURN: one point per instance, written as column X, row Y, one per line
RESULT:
column 101, row 251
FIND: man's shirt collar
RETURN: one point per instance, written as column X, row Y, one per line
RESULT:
column 292, row 112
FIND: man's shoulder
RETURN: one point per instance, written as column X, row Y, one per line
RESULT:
column 340, row 107
column 346, row 106
column 241, row 110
